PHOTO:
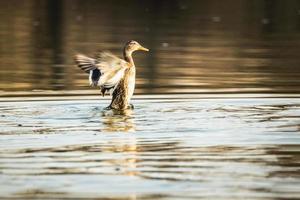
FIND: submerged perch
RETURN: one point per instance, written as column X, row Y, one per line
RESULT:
column 113, row 74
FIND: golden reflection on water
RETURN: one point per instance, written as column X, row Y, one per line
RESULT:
column 118, row 120
column 196, row 46
column 122, row 121
column 184, row 149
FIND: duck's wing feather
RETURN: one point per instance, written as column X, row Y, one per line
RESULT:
column 112, row 69
column 85, row 63
column 105, row 71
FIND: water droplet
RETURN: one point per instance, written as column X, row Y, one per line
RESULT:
column 265, row 21
column 79, row 17
column 36, row 23
column 183, row 7
column 216, row 19
column 165, row 44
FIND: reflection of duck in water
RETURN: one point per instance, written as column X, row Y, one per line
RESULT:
column 118, row 120
column 113, row 74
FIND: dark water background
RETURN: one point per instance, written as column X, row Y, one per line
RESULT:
column 196, row 46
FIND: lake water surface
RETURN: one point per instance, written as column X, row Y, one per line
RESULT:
column 232, row 131
column 195, row 46
column 172, row 147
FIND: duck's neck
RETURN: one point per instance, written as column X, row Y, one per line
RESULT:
column 128, row 57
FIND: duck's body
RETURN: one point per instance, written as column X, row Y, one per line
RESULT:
column 122, row 94
column 112, row 73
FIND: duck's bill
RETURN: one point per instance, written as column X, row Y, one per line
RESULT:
column 143, row 49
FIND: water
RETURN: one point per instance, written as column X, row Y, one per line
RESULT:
column 177, row 147
column 230, row 132
column 195, row 46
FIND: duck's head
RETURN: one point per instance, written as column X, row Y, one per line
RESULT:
column 132, row 46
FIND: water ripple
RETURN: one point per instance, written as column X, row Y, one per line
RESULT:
column 250, row 146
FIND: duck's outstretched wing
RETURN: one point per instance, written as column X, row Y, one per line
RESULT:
column 88, row 65
column 105, row 71
column 85, row 63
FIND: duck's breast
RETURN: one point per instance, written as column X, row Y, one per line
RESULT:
column 130, row 82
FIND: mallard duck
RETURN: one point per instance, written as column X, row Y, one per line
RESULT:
column 113, row 74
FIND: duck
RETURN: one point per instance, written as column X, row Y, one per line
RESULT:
column 113, row 74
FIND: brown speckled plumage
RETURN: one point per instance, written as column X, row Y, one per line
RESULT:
column 121, row 96
column 112, row 73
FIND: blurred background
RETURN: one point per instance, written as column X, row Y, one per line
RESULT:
column 234, row 46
